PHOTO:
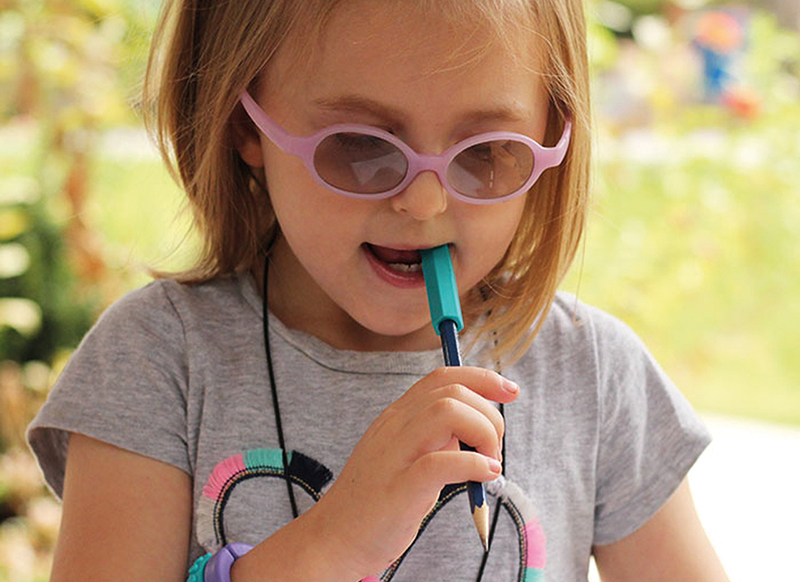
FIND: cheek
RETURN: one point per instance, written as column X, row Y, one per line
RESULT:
column 491, row 231
column 310, row 216
column 511, row 220
column 495, row 228
column 284, row 174
column 293, row 193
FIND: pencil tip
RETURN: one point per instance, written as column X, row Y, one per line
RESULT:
column 481, row 518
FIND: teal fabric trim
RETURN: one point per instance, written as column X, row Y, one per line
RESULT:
column 254, row 458
column 197, row 571
column 533, row 575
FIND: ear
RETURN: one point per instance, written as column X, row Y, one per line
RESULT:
column 246, row 138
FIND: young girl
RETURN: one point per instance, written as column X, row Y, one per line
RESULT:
column 288, row 393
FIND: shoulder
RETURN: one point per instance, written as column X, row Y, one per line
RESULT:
column 154, row 326
column 592, row 355
column 152, row 302
column 574, row 326
column 169, row 294
column 166, row 305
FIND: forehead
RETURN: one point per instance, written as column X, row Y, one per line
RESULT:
column 410, row 52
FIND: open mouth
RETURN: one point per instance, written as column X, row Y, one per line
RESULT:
column 399, row 261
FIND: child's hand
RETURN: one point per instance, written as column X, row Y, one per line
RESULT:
column 396, row 471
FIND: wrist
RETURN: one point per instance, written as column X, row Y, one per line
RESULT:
column 307, row 548
column 334, row 550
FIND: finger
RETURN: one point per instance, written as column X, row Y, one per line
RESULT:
column 453, row 445
column 483, row 381
column 446, row 418
column 475, row 400
column 440, row 468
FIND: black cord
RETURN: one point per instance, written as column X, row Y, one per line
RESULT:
column 496, row 509
column 499, row 369
column 278, row 424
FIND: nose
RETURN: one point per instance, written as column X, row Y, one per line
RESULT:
column 423, row 199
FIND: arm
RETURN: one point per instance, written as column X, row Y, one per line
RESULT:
column 125, row 517
column 672, row 545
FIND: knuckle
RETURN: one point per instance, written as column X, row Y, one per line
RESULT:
column 458, row 391
column 478, row 461
column 425, row 467
column 490, row 375
column 441, row 373
column 492, row 439
column 499, row 420
column 425, row 463
column 446, row 406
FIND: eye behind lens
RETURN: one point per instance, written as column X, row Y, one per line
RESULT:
column 491, row 169
column 360, row 163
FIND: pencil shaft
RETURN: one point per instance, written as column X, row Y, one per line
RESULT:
column 475, row 490
column 452, row 355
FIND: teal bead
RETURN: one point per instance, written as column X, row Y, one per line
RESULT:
column 198, row 569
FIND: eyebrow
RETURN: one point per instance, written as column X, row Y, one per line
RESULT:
column 360, row 104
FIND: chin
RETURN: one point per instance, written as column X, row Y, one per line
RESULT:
column 407, row 332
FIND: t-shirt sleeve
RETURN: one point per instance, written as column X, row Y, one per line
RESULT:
column 124, row 385
column 649, row 435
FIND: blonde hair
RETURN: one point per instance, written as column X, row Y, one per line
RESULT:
column 205, row 53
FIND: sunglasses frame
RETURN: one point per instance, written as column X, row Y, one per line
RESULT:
column 304, row 147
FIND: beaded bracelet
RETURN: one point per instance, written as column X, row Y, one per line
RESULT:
column 217, row 567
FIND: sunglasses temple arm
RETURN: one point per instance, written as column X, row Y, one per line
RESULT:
column 561, row 146
column 276, row 134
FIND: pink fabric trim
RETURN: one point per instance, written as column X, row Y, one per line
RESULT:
column 221, row 474
column 536, row 555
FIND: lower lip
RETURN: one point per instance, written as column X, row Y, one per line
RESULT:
column 394, row 278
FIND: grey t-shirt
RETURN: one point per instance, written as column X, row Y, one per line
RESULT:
column 596, row 442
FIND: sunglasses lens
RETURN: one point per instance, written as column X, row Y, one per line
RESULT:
column 360, row 163
column 491, row 169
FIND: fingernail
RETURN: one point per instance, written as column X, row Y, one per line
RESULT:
column 494, row 465
column 510, row 387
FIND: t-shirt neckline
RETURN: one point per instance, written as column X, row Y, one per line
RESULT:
column 417, row 363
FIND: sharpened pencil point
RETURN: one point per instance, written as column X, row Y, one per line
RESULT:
column 481, row 518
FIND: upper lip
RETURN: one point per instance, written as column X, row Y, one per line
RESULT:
column 407, row 247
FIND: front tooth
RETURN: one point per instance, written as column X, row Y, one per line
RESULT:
column 405, row 267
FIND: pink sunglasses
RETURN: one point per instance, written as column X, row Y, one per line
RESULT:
column 361, row 161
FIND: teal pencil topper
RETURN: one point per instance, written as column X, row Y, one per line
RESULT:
column 440, row 281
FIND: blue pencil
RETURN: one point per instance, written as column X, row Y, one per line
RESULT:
column 447, row 321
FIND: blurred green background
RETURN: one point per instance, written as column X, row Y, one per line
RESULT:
column 693, row 240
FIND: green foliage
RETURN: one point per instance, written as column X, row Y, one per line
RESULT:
column 643, row 6
column 40, row 311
